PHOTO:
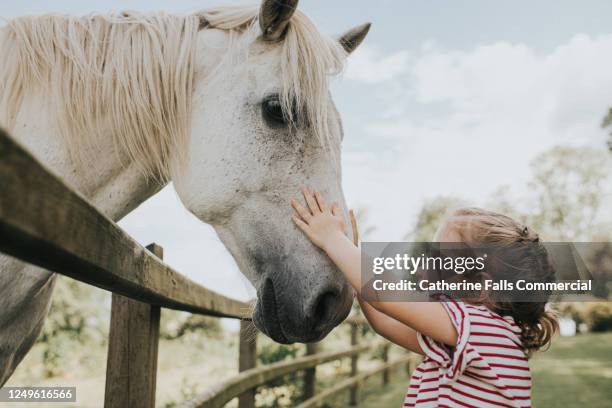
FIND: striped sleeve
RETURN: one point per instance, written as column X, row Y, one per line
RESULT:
column 454, row 360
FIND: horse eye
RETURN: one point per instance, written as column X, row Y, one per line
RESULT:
column 273, row 112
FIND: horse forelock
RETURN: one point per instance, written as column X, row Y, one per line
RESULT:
column 135, row 72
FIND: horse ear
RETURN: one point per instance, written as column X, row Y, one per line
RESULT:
column 274, row 16
column 353, row 37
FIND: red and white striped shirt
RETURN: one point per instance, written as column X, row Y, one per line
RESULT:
column 487, row 367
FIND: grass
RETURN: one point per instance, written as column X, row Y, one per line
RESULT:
column 575, row 372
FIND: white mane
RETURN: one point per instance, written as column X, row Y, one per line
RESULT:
column 131, row 75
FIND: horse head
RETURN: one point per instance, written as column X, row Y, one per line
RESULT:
column 263, row 125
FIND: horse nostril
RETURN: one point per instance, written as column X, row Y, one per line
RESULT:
column 324, row 308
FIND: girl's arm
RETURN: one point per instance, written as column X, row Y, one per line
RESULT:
column 394, row 331
column 325, row 228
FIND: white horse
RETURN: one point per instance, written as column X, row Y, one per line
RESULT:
column 230, row 104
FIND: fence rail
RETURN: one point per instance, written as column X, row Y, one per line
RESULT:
column 226, row 391
column 44, row 222
column 330, row 393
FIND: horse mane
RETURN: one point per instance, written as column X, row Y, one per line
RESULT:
column 131, row 75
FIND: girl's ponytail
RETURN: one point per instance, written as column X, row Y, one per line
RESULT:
column 538, row 335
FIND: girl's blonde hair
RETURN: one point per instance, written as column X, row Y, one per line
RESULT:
column 476, row 225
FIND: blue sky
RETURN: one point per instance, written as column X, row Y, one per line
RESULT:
column 444, row 97
column 542, row 24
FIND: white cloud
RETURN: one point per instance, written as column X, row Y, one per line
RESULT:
column 466, row 122
column 510, row 82
column 370, row 65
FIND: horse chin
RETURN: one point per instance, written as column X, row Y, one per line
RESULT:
column 266, row 316
column 271, row 325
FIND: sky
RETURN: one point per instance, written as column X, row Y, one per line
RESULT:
column 443, row 98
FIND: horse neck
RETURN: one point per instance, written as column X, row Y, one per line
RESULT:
column 112, row 183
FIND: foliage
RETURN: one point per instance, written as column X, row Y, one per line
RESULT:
column 188, row 392
column 378, row 353
column 78, row 315
column 431, row 215
column 570, row 196
column 569, row 200
column 573, row 310
column 599, row 317
column 175, row 325
column 363, row 330
column 277, row 397
column 607, row 123
column 281, row 392
column 273, row 353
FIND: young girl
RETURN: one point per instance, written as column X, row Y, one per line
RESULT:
column 475, row 353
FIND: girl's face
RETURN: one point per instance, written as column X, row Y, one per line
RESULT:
column 447, row 233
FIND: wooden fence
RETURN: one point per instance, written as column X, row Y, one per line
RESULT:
column 45, row 223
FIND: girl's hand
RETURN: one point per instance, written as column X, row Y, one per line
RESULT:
column 322, row 225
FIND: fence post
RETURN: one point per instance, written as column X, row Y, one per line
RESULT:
column 247, row 359
column 385, row 358
column 131, row 368
column 353, row 390
column 310, row 374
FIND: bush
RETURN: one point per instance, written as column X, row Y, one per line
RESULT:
column 282, row 392
column 77, row 316
column 599, row 317
column 272, row 353
column 574, row 311
column 176, row 325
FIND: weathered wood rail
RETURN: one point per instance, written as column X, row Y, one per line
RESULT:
column 44, row 222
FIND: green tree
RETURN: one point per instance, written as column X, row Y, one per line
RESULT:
column 430, row 216
column 570, row 194
column 568, row 198
column 607, row 123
